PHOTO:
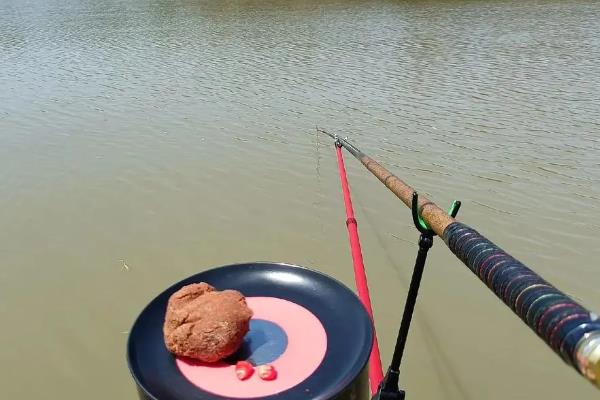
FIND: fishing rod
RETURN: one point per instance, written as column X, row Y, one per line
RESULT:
column 568, row 328
column 375, row 369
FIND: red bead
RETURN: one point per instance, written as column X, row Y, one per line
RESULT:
column 243, row 370
column 267, row 372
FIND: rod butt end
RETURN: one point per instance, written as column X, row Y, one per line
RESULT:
column 588, row 357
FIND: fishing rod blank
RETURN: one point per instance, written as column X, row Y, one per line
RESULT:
column 572, row 331
column 375, row 370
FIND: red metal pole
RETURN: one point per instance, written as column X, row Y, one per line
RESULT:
column 375, row 369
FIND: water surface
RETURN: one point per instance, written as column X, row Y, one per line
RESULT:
column 144, row 141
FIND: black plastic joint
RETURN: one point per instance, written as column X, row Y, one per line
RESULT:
column 425, row 241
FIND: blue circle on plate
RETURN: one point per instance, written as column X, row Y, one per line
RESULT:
column 264, row 343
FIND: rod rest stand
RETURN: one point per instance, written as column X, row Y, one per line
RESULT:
column 388, row 389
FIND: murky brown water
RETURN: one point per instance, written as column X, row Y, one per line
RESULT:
column 172, row 136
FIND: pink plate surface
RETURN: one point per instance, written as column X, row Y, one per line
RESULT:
column 307, row 344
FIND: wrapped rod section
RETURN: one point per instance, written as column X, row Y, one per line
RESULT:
column 567, row 327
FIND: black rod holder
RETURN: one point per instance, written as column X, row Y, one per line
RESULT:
column 389, row 389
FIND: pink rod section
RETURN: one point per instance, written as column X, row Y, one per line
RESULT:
column 375, row 370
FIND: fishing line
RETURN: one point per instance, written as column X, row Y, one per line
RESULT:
column 320, row 190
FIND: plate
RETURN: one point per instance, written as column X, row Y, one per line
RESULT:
column 347, row 326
